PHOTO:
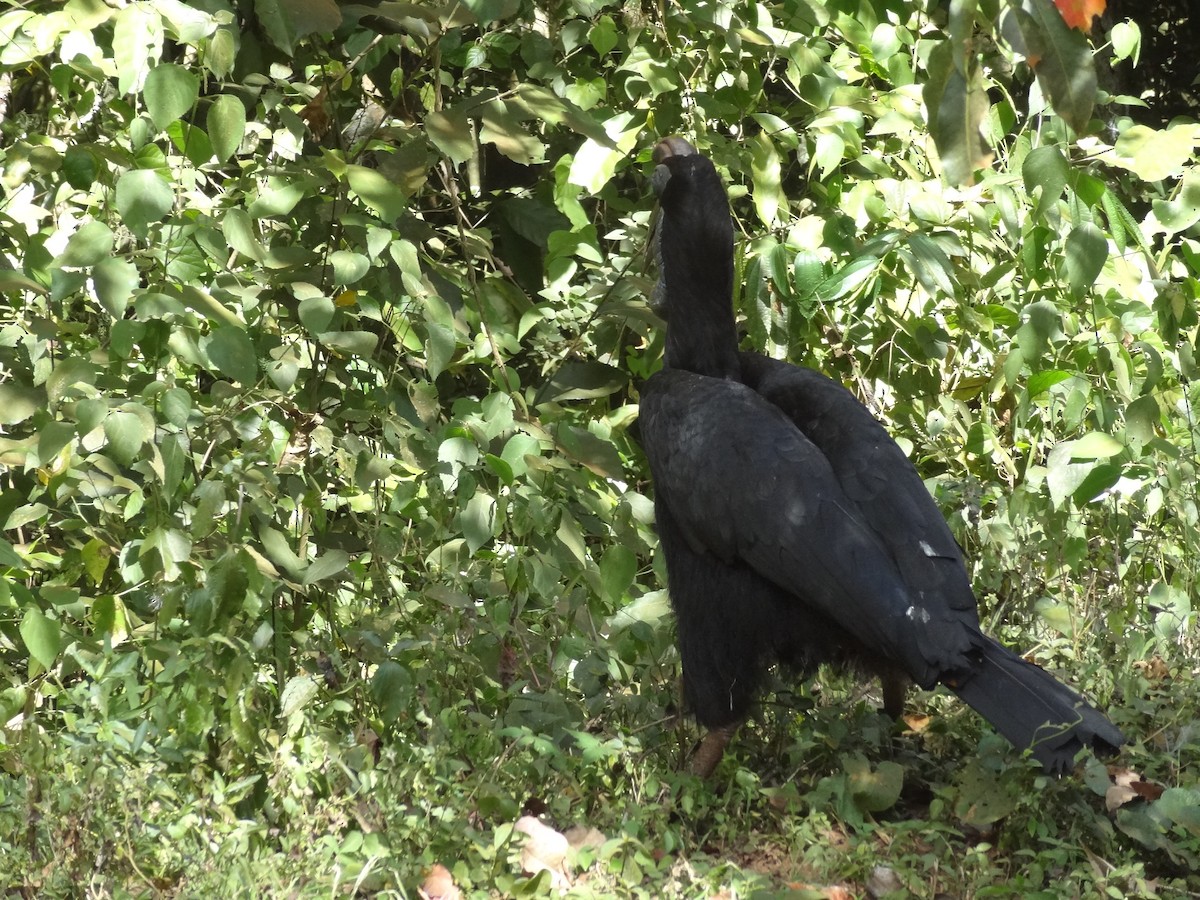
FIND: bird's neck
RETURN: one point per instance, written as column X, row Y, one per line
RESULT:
column 701, row 331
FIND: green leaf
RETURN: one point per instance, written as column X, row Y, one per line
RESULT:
column 1045, row 168
column 583, row 381
column 226, row 125
column 9, row 557
column 596, row 161
column 765, row 170
column 488, row 11
column 143, row 197
column 350, row 343
column 478, row 520
column 41, row 636
column 617, row 569
column 501, row 128
column 1040, row 382
column 239, row 231
column 1183, row 211
column 348, row 267
column 18, row 402
column 115, row 280
column 1087, row 252
column 23, row 515
column 285, row 22
column 170, row 92
column 328, row 564
column 1061, row 59
column 377, row 193
column 516, row 448
column 874, row 790
column 137, row 41
column 956, row 104
column 127, row 432
column 316, row 313
column 297, row 694
column 232, row 352
column 451, row 132
column 1154, row 155
column 1093, row 445
column 603, row 35
column 87, row 246
column 81, row 167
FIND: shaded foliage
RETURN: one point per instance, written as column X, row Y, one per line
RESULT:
column 325, row 545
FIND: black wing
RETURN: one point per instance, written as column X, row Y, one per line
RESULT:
column 745, row 485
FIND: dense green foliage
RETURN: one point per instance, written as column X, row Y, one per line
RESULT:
column 327, row 548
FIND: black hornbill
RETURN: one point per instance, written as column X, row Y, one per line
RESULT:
column 794, row 527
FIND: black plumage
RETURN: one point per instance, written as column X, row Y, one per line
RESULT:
column 794, row 528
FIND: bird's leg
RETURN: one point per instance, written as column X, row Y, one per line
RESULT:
column 712, row 748
column 895, row 686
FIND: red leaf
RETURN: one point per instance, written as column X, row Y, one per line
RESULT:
column 1079, row 13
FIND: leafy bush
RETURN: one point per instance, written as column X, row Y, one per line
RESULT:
column 327, row 549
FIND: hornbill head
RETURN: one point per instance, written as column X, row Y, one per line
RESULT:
column 694, row 230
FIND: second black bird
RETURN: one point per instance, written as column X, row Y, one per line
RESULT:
column 794, row 528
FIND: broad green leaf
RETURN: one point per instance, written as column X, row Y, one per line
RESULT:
column 316, row 313
column 516, row 448
column 503, row 129
column 874, row 790
column 1126, row 41
column 585, row 448
column 137, row 41
column 377, row 193
column 391, row 687
column 127, row 432
column 18, row 402
column 596, row 161
column 1154, row 154
column 87, row 246
column 350, row 343
column 765, row 171
column 81, row 166
column 603, row 35
column 170, row 92
column 452, row 133
column 1087, row 251
column 488, row 11
column 226, row 125
column 143, row 197
column 115, row 280
column 617, row 569
column 41, row 635
column 1182, row 211
column 348, row 267
column 9, row 558
column 232, row 352
column 287, row 21
column 440, row 344
column 956, row 104
column 1061, row 59
column 1040, row 382
column 297, row 694
column 1093, row 445
column 13, row 282
column 328, row 564
column 583, row 381
column 23, row 515
column 239, row 231
column 1045, row 168
column 651, row 608
column 478, row 520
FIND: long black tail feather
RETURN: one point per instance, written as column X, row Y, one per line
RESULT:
column 1034, row 710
